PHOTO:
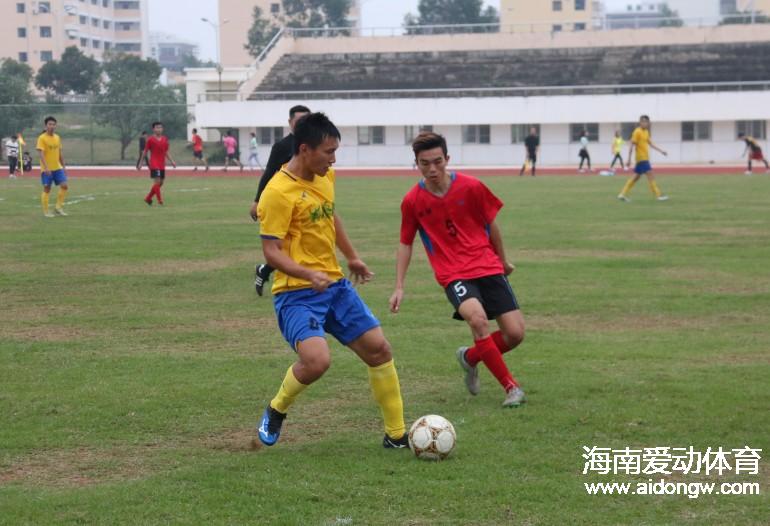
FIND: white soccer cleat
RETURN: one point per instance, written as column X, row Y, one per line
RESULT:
column 663, row 198
column 515, row 397
column 747, row 172
column 624, row 198
column 48, row 214
column 61, row 212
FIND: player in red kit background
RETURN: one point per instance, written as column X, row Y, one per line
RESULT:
column 157, row 146
column 455, row 217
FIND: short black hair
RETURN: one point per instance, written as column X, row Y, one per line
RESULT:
column 195, row 130
column 49, row 119
column 144, row 132
column 157, row 123
column 313, row 129
column 644, row 118
column 299, row 108
column 741, row 135
column 427, row 141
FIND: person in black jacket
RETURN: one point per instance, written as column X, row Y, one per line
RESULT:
column 280, row 154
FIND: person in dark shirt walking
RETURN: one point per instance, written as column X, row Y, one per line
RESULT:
column 280, row 154
column 532, row 147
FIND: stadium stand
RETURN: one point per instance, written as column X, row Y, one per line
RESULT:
column 661, row 64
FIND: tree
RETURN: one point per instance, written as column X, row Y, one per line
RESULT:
column 75, row 72
column 191, row 61
column 16, row 100
column 321, row 14
column 133, row 98
column 670, row 17
column 451, row 12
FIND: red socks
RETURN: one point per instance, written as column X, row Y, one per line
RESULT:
column 487, row 351
column 154, row 191
column 500, row 342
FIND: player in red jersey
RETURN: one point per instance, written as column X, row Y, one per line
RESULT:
column 157, row 145
column 197, row 146
column 455, row 216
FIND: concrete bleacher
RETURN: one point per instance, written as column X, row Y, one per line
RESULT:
column 511, row 68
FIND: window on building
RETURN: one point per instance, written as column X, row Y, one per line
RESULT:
column 126, row 5
column 106, row 24
column 556, row 28
column 579, row 26
column 45, row 31
column 20, row 8
column 83, row 20
column 44, row 7
column 23, row 57
column 576, row 130
column 46, row 56
column 275, row 8
column 580, row 5
column 83, row 42
column 756, row 129
column 94, row 2
column 410, row 132
column 107, row 45
column 728, row 7
column 696, row 131
column 556, row 5
column 371, row 135
column 97, row 44
column 95, row 22
column 476, row 134
column 105, row 3
column 519, row 132
column 128, row 46
column 21, row 32
column 269, row 136
column 627, row 129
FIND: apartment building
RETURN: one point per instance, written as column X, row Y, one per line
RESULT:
column 36, row 31
column 543, row 16
column 236, row 18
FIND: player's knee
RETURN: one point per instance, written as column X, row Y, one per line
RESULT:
column 515, row 335
column 317, row 365
column 478, row 322
column 381, row 352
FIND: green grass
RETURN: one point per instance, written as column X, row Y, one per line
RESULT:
column 135, row 359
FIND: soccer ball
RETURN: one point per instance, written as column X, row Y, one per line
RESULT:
column 432, row 437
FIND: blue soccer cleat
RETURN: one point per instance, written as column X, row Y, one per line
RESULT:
column 269, row 429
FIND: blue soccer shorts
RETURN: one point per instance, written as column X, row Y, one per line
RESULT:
column 642, row 167
column 57, row 177
column 338, row 311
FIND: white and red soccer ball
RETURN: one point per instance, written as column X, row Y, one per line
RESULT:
column 432, row 437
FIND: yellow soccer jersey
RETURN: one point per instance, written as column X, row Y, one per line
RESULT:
column 617, row 145
column 641, row 139
column 51, row 147
column 301, row 213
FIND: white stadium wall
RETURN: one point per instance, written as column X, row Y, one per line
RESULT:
column 554, row 114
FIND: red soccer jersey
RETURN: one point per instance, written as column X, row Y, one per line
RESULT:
column 158, row 148
column 197, row 143
column 454, row 228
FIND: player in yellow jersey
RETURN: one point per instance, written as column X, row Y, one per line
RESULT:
column 51, row 167
column 640, row 140
column 617, row 150
column 300, row 233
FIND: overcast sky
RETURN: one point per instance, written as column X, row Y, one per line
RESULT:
column 183, row 17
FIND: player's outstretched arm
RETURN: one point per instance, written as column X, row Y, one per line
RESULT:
column 359, row 272
column 276, row 258
column 403, row 258
column 630, row 152
column 496, row 238
column 661, row 150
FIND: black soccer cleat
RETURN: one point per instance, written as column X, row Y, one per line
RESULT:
column 393, row 443
column 260, row 279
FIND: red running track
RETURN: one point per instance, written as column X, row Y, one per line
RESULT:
column 113, row 171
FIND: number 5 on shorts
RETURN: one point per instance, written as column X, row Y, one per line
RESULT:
column 460, row 289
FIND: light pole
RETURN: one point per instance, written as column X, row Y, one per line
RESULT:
column 219, row 58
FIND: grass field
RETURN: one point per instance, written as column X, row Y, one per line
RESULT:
column 135, row 359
